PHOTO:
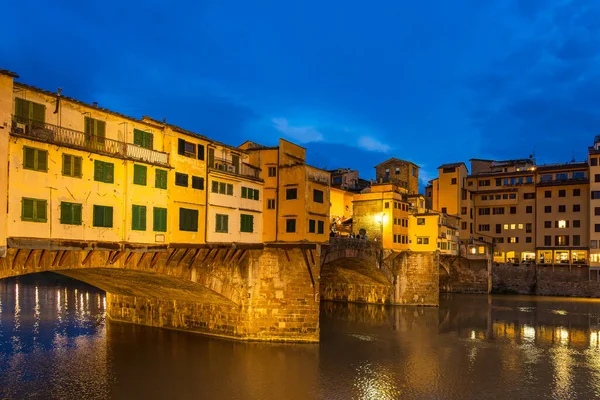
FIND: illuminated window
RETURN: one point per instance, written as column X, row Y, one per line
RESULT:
column 505, row 226
column 513, row 240
column 473, row 250
column 562, row 224
column 513, row 226
column 481, row 249
column 520, row 226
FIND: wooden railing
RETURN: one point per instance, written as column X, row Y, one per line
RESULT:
column 71, row 138
column 243, row 169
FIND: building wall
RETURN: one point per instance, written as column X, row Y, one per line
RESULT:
column 427, row 229
column 594, row 220
column 403, row 173
column 448, row 192
column 341, row 204
column 6, row 101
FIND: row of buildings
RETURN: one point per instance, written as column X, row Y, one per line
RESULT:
column 77, row 172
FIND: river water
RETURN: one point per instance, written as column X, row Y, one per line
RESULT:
column 56, row 343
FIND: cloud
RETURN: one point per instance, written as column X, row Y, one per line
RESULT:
column 302, row 134
column 371, row 144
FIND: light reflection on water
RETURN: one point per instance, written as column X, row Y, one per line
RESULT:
column 55, row 343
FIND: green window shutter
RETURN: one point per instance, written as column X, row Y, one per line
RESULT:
column 77, row 166
column 138, row 218
column 109, row 174
column 311, row 226
column 100, row 130
column 321, row 227
column 244, row 192
column 138, row 137
column 215, row 187
column 40, row 210
column 149, row 142
column 66, row 214
column 27, row 209
column 160, row 179
column 42, row 160
column 88, row 125
column 222, row 187
column 21, row 109
column 256, row 194
column 28, row 158
column 76, row 214
column 246, row 223
column 98, row 217
column 98, row 171
column 229, row 189
column 226, row 223
column 139, row 174
column 108, row 217
column 67, row 164
column 160, row 219
column 38, row 113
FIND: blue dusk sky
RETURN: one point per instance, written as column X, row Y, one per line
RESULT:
column 354, row 82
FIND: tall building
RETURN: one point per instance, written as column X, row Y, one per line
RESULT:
column 296, row 195
column 404, row 174
column 594, row 209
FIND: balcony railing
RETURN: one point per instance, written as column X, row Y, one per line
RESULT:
column 242, row 169
column 71, row 138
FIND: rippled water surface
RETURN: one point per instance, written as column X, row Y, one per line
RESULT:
column 56, row 343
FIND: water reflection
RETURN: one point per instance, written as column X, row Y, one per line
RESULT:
column 55, row 343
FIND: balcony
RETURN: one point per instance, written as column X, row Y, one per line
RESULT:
column 53, row 134
column 243, row 169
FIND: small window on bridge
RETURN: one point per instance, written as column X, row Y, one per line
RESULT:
column 420, row 221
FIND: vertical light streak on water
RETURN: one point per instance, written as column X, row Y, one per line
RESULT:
column 16, row 341
column 58, row 308
column 36, row 315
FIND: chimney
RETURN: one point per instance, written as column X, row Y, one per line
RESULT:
column 96, row 104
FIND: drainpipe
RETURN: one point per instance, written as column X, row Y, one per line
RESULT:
column 277, row 199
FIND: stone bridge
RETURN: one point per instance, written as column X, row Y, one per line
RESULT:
column 247, row 292
column 356, row 270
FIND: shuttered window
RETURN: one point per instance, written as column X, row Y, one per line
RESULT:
column 317, row 196
column 160, row 219
column 27, row 111
column 186, row 148
column 198, row 182
column 95, row 131
column 103, row 216
column 181, row 179
column 249, row 193
column 160, row 179
column 200, row 152
column 71, row 165
column 222, row 223
column 140, row 173
column 104, row 172
column 143, row 139
column 70, row 213
column 246, row 223
column 33, row 210
column 291, row 194
column 290, row 225
column 222, row 188
column 188, row 220
column 320, row 227
column 311, row 226
column 35, row 159
column 138, row 218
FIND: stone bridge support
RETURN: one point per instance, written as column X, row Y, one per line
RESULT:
column 247, row 292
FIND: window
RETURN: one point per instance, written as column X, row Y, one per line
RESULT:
column 513, row 240
column 547, row 224
column 463, row 225
column 548, row 194
column 498, row 210
column 529, row 196
column 498, row 197
column 498, row 181
column 596, row 227
column 576, row 192
column 290, row 225
column 143, row 139
column 291, row 194
column 484, row 227
column 27, row 111
column 35, row 159
column 317, row 196
column 138, row 218
column 594, row 244
column 160, row 179
column 181, row 179
column 498, row 240
column 386, row 205
column 70, row 213
column 95, row 131
column 528, row 228
column 420, row 221
column 576, row 207
column 512, row 196
column 593, row 161
column 561, row 224
column 562, row 193
column 596, row 177
column 528, row 239
column 188, row 149
column 513, row 210
column 249, row 193
column 273, row 171
column 271, row 204
column 547, row 240
column 561, row 240
column 222, row 188
column 71, row 165
column 397, row 171
column 484, row 182
column 104, row 172
column 576, row 240
column 546, row 178
column 246, row 223
column 414, row 171
column 484, row 197
column 312, row 226
column 596, row 210
column 222, row 223
column 453, row 181
column 463, row 210
column 140, row 172
column 595, row 194
column 484, row 211
column 33, row 210
column 444, row 210
column 160, row 219
column 103, row 216
column 547, row 209
column 320, row 227
column 576, row 223
column 197, row 182
column 498, row 228
column 529, row 209
column 188, row 220
column 562, row 208
column 505, row 196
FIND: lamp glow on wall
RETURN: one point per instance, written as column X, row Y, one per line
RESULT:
column 381, row 219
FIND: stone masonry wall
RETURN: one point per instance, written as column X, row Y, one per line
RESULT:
column 459, row 275
column 417, row 279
